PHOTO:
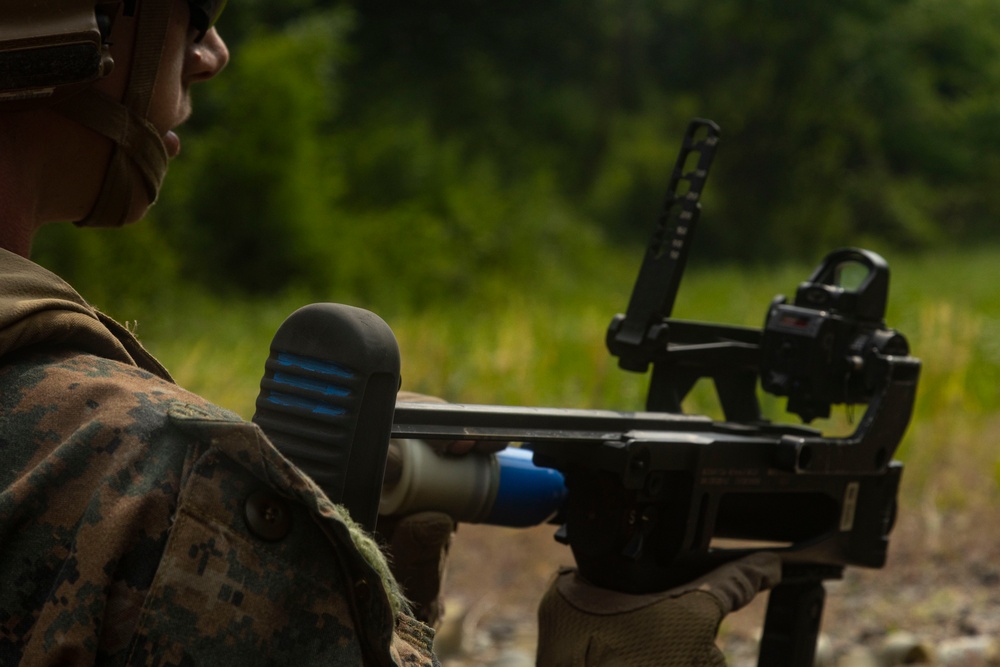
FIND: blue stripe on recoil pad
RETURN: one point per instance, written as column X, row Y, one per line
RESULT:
column 327, row 398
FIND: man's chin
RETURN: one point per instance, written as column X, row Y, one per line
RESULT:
column 172, row 143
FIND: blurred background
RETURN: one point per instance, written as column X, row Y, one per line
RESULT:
column 393, row 150
column 484, row 175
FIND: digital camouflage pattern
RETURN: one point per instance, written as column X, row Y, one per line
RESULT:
column 141, row 525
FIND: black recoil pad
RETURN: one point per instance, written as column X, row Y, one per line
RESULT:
column 327, row 398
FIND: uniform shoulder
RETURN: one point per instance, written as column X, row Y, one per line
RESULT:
column 88, row 389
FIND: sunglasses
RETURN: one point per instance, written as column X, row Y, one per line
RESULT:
column 204, row 14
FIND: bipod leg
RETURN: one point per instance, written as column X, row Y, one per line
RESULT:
column 791, row 626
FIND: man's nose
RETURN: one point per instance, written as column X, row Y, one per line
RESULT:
column 208, row 57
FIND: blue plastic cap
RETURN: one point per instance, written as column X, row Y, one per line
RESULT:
column 527, row 495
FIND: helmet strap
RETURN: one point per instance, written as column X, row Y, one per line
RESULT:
column 138, row 155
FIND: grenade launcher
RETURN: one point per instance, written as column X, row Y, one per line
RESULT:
column 658, row 497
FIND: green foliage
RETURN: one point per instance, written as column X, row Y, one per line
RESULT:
column 260, row 182
column 427, row 221
column 110, row 267
column 841, row 121
column 385, row 152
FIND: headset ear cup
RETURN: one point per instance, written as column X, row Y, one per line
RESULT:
column 46, row 57
column 45, row 68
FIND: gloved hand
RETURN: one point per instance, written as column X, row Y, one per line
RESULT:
column 417, row 547
column 581, row 625
column 417, row 544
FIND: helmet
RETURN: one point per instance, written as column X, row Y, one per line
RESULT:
column 52, row 50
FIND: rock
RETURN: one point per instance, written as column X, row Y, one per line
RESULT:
column 826, row 656
column 449, row 639
column 978, row 651
column 904, row 648
column 859, row 656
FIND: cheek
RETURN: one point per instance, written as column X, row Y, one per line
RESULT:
column 168, row 92
column 167, row 104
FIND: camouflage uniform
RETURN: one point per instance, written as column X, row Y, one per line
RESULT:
column 141, row 525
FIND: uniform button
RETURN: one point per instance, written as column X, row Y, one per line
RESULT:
column 268, row 516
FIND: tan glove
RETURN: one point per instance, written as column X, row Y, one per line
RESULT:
column 417, row 545
column 581, row 625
